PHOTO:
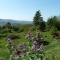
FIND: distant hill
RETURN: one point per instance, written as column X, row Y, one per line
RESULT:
column 4, row 21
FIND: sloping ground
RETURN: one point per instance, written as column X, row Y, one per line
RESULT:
column 51, row 49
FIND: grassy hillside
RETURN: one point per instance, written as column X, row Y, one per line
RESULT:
column 51, row 48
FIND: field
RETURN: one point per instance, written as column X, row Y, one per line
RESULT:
column 51, row 47
column 29, row 30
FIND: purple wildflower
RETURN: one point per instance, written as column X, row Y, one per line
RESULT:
column 37, row 39
column 35, row 42
column 37, row 35
column 33, row 47
column 41, row 47
column 28, row 35
column 29, row 32
column 16, row 53
column 21, row 46
column 9, row 40
column 23, row 53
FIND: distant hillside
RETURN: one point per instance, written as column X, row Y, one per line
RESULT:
column 4, row 21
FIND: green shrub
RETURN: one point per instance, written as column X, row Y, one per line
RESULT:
column 32, row 28
column 6, row 31
column 14, row 36
column 25, row 27
column 3, row 35
column 53, row 30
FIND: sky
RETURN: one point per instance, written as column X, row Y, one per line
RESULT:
column 26, row 9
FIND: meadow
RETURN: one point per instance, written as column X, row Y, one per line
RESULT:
column 39, row 40
column 51, row 47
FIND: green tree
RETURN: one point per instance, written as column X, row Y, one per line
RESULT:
column 42, row 26
column 58, row 22
column 8, row 25
column 37, row 18
column 16, row 28
column 52, row 22
column 38, row 21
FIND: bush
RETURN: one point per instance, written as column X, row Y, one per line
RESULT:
column 25, row 27
column 3, row 35
column 32, row 28
column 54, row 30
column 16, row 28
column 55, row 33
column 21, row 30
column 14, row 36
column 53, row 21
column 6, row 31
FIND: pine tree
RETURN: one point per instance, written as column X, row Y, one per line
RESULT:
column 38, row 21
column 37, row 18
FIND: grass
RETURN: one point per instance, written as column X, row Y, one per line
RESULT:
column 52, row 49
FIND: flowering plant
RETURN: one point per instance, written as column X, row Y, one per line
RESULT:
column 33, row 52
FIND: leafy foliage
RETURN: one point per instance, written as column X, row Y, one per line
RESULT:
column 54, row 30
column 38, row 21
column 37, row 18
column 42, row 26
column 14, row 36
column 53, row 21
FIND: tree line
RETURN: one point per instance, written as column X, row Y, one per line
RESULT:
column 42, row 25
column 53, row 23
